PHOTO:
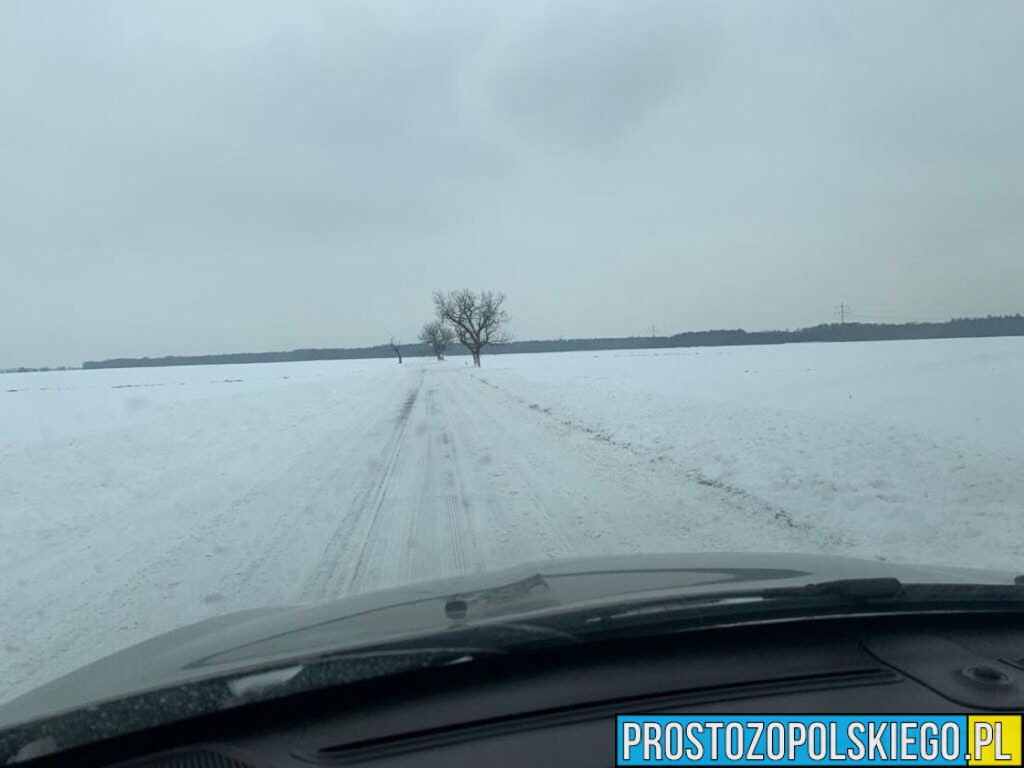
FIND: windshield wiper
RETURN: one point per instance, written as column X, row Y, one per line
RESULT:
column 865, row 588
column 679, row 613
column 892, row 589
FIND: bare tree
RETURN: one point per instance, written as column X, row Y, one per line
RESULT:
column 396, row 347
column 437, row 335
column 478, row 319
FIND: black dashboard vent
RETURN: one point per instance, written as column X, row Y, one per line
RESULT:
column 191, row 758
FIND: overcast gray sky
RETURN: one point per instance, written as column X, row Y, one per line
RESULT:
column 196, row 177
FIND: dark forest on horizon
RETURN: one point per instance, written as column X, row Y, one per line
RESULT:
column 1006, row 325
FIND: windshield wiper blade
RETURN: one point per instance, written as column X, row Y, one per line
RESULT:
column 882, row 587
column 887, row 588
column 807, row 601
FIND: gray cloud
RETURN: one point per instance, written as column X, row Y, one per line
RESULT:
column 585, row 75
column 191, row 177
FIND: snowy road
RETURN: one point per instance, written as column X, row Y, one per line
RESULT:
column 405, row 474
column 138, row 501
column 411, row 473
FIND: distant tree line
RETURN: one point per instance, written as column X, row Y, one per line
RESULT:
column 22, row 369
column 967, row 327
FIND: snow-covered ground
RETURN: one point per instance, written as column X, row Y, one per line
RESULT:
column 134, row 501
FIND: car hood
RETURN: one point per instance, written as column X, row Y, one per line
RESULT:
column 258, row 639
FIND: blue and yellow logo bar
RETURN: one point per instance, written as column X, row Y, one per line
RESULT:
column 991, row 740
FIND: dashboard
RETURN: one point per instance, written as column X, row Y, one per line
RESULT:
column 558, row 707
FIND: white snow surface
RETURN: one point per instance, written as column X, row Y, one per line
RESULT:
column 135, row 501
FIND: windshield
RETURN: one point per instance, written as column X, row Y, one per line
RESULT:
column 309, row 300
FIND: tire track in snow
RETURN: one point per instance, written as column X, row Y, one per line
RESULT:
column 309, row 486
column 337, row 573
column 453, row 506
column 379, row 560
column 533, row 483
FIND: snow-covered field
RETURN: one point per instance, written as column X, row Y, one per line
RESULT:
column 134, row 501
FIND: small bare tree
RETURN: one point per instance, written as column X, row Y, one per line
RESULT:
column 396, row 347
column 477, row 319
column 437, row 335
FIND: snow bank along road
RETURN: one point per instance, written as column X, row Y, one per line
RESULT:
column 135, row 501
